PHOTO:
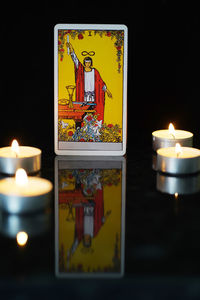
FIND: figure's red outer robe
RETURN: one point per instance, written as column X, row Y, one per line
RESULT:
column 98, row 216
column 99, row 92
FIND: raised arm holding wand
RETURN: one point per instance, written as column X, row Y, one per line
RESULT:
column 90, row 88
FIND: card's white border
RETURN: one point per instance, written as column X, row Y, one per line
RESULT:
column 125, row 71
column 77, row 160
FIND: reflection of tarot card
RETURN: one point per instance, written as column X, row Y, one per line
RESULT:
column 89, row 217
column 90, row 84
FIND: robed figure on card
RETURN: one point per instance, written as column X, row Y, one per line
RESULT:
column 90, row 87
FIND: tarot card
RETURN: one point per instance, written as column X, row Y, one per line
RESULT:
column 89, row 216
column 90, row 89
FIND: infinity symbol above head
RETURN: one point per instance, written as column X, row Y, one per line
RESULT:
column 90, row 53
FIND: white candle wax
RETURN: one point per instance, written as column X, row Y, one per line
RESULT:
column 25, row 157
column 35, row 186
column 163, row 138
column 184, row 162
column 29, row 196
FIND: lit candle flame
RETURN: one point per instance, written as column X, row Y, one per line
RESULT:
column 22, row 238
column 172, row 130
column 178, row 149
column 15, row 147
column 176, row 195
column 21, row 177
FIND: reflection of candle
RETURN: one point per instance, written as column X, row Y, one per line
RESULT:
column 169, row 137
column 178, row 185
column 24, row 194
column 22, row 238
column 178, row 160
column 32, row 223
column 14, row 157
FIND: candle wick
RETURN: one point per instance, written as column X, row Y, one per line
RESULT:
column 16, row 154
column 173, row 135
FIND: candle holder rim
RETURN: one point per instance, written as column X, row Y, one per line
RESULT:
column 30, row 147
column 178, row 157
column 28, row 196
column 176, row 130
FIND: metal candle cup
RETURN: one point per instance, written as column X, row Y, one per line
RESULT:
column 28, row 158
column 185, row 162
column 163, row 138
column 33, row 196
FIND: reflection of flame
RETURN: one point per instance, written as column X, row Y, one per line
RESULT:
column 21, row 177
column 178, row 149
column 15, row 147
column 22, row 238
column 172, row 130
column 176, row 204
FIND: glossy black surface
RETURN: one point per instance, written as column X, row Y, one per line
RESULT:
column 161, row 248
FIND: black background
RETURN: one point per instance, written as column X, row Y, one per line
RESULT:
column 163, row 87
column 163, row 65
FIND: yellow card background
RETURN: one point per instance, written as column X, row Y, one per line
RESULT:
column 105, row 61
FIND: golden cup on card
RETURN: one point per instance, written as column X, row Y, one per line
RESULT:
column 70, row 89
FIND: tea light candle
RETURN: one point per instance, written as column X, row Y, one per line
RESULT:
column 14, row 157
column 178, row 160
column 22, row 194
column 169, row 137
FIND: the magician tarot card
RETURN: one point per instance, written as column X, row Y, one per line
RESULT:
column 90, row 89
